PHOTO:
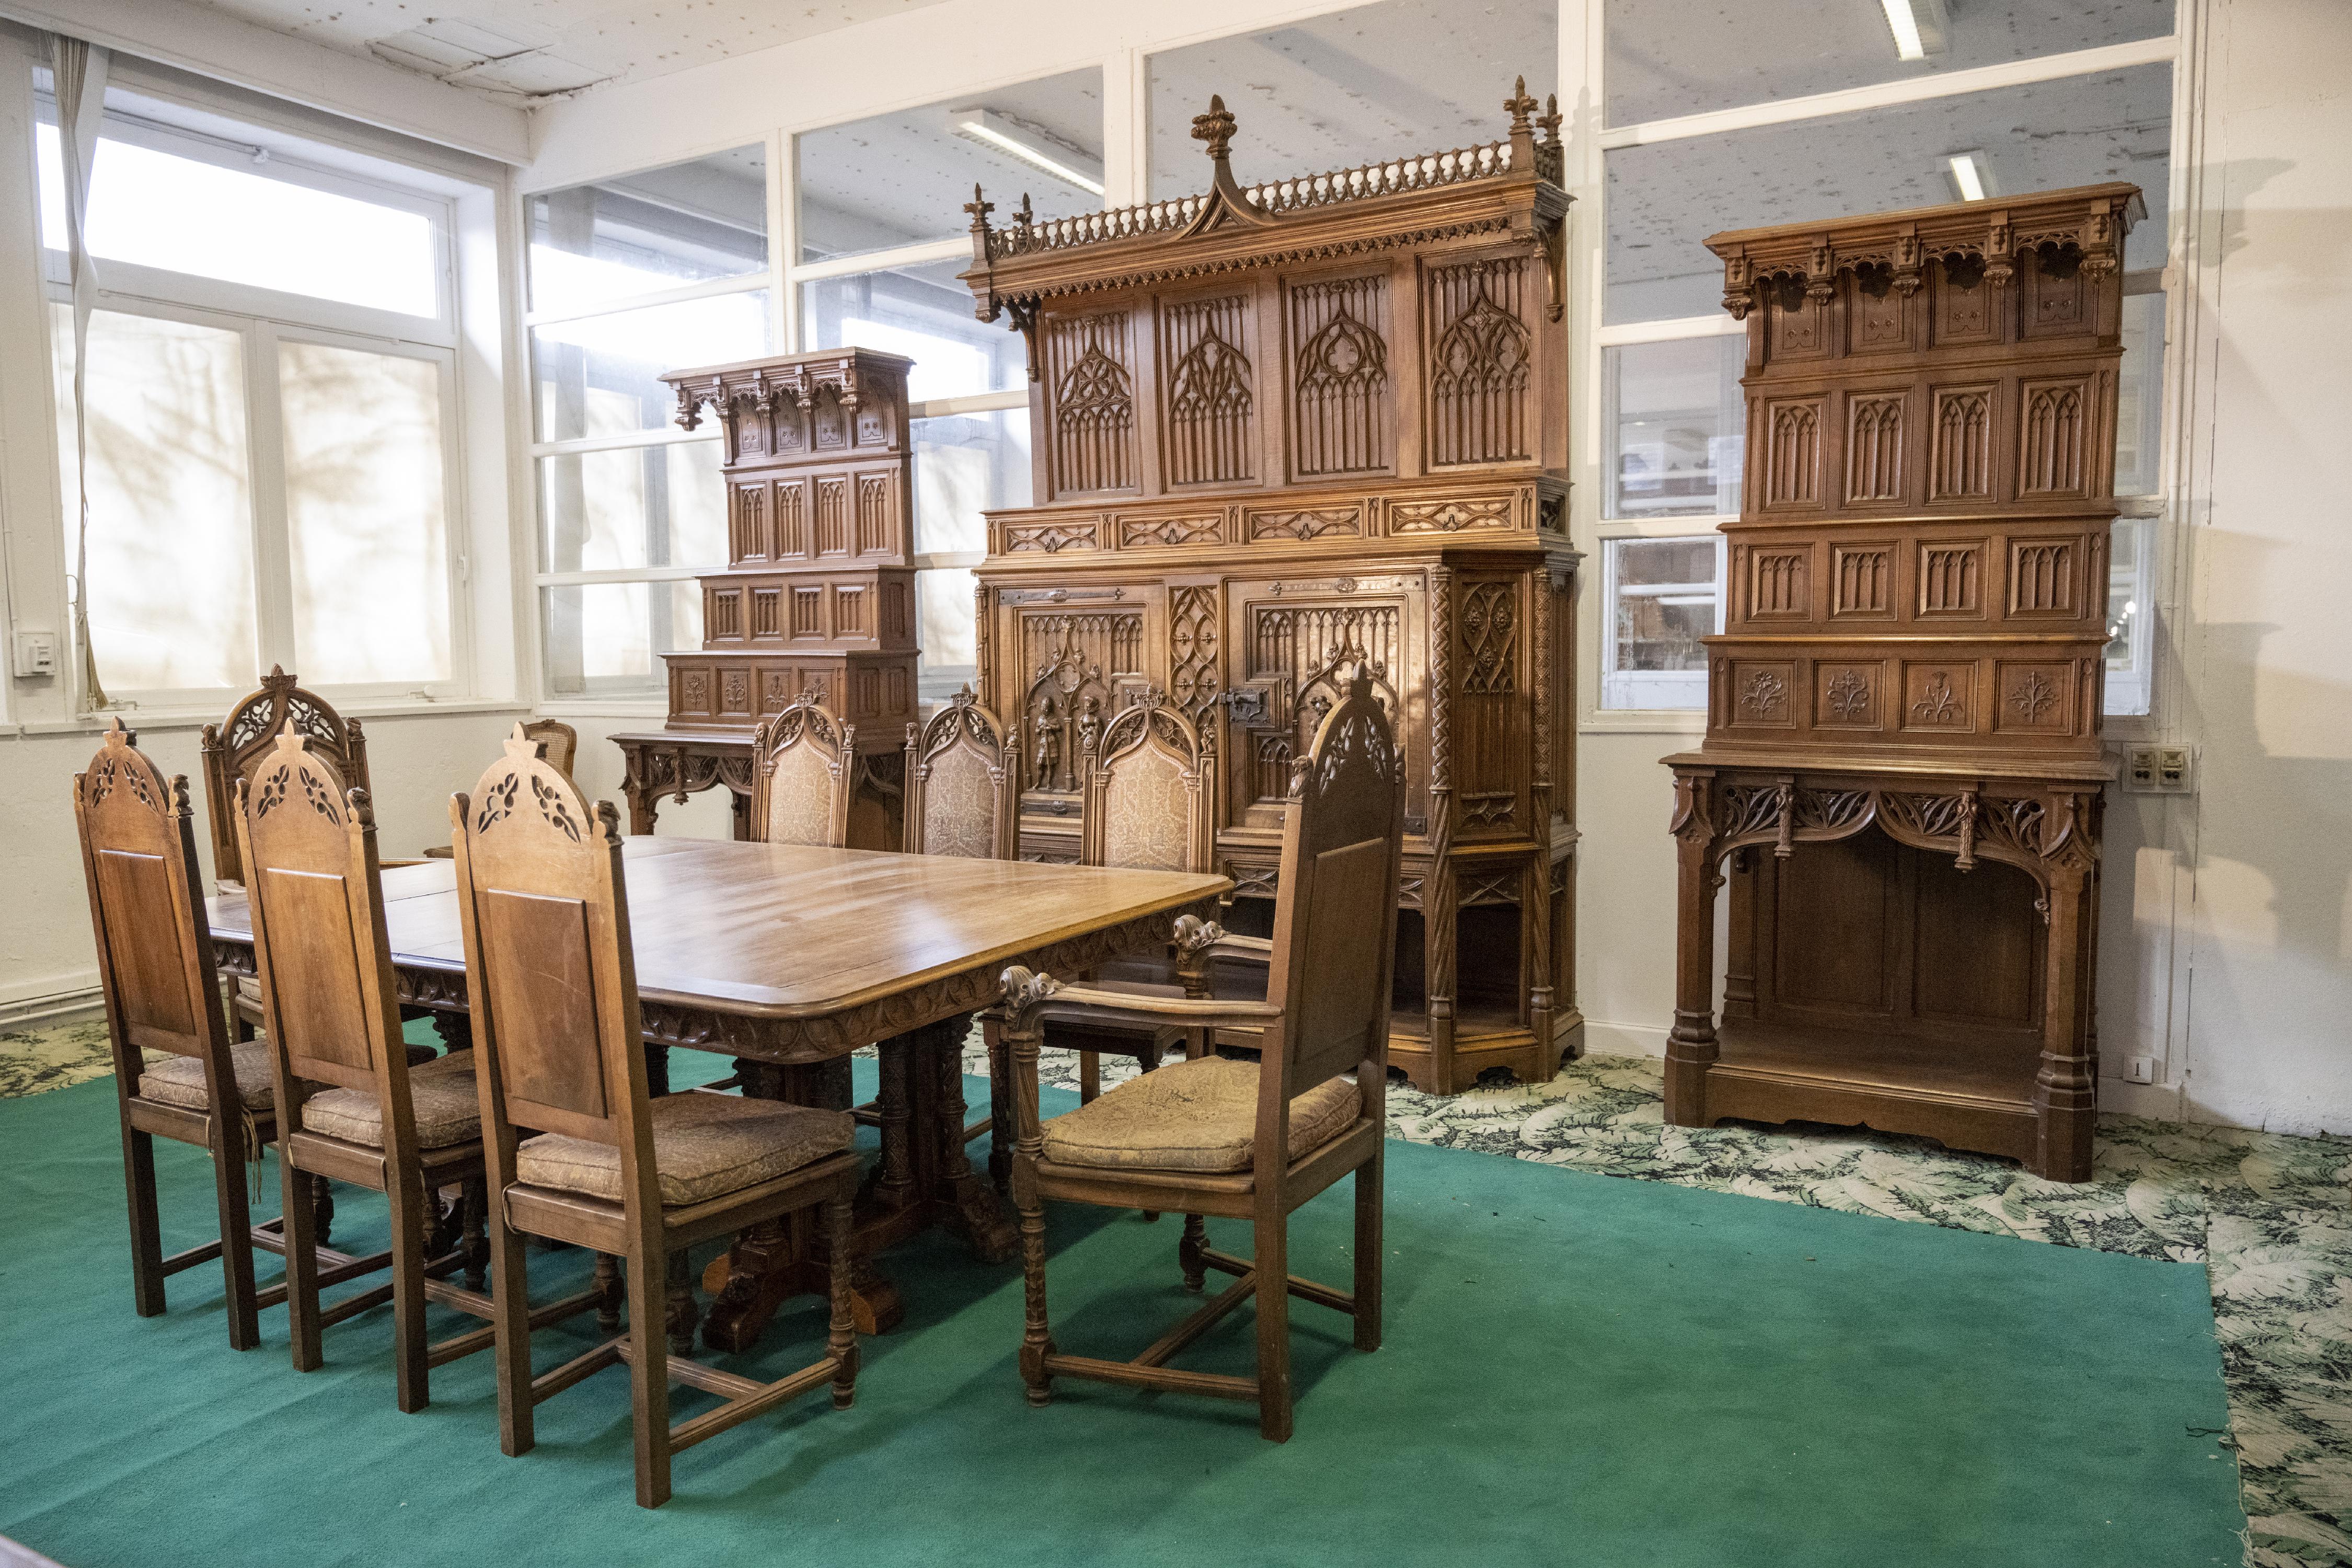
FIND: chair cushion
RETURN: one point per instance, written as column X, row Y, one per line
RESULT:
column 180, row 1081
column 441, row 1093
column 1193, row 1116
column 705, row 1145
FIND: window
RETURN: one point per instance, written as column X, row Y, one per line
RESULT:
column 1672, row 415
column 658, row 270
column 270, row 417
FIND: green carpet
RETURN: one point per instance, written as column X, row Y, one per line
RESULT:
column 1578, row 1370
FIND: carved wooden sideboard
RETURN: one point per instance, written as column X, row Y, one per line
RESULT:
column 1915, row 645
column 819, row 590
column 1281, row 428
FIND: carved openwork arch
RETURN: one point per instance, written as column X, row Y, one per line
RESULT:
column 234, row 748
column 1149, row 803
column 805, row 760
column 961, row 768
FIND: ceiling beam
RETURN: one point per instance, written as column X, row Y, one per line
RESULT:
column 196, row 39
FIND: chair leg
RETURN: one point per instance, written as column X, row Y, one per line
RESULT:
column 1188, row 1252
column 650, row 1374
column 236, row 1235
column 477, row 1201
column 1272, row 1263
column 1369, row 1181
column 1000, row 1107
column 841, row 1341
column 302, row 1267
column 511, row 1292
column 608, row 1293
column 681, row 1314
column 412, row 1208
column 1089, row 1075
column 1146, row 1057
column 323, row 1209
column 146, row 1223
column 1037, row 1336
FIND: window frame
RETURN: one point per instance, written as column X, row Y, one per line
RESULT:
column 262, row 319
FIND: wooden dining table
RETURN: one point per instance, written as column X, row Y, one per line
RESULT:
column 789, row 958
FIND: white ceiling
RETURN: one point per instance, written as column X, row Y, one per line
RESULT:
column 521, row 51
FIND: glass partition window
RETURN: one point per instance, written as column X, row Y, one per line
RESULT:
column 965, row 464
column 2139, row 400
column 607, row 638
column 1671, row 58
column 661, row 228
column 904, row 178
column 1352, row 87
column 923, row 312
column 1663, row 595
column 1664, row 198
column 601, row 375
column 1676, row 422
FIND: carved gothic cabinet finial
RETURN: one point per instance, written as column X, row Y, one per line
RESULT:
column 1903, row 765
column 1280, row 429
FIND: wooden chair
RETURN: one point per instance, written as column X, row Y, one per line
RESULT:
column 351, row 1108
column 559, row 743
column 234, row 748
column 804, row 769
column 1247, row 1141
column 1147, row 802
column 960, row 795
column 553, row 990
column 163, row 993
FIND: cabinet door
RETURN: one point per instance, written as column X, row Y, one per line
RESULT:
column 1289, row 643
column 1078, row 656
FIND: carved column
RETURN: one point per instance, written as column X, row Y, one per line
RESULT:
column 1437, row 910
column 1691, row 1047
column 1535, row 903
column 2065, row 1089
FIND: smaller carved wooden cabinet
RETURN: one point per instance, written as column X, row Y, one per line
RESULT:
column 819, row 590
column 1280, row 430
column 1903, row 765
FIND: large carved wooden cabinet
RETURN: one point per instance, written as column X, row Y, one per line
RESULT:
column 819, row 590
column 1902, row 769
column 1283, row 430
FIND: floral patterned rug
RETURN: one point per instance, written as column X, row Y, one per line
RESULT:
column 2269, row 1215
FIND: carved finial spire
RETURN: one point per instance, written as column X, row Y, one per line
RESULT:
column 980, row 206
column 1519, row 104
column 120, row 734
column 290, row 739
column 1549, row 119
column 521, row 744
column 1215, row 128
column 1025, row 218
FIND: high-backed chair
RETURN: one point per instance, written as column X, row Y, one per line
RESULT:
column 163, row 994
column 576, row 1150
column 1148, row 799
column 351, row 1107
column 1236, row 1138
column 234, row 748
column 804, row 766
column 961, row 767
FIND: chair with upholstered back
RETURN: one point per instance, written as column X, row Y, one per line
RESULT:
column 163, row 994
column 803, row 766
column 550, row 984
column 234, row 748
column 961, row 768
column 1241, row 1140
column 351, row 1108
column 559, row 743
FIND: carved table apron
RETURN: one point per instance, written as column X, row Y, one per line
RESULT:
column 789, row 959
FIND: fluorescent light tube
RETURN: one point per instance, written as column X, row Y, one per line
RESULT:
column 1909, row 45
column 975, row 125
column 1968, row 176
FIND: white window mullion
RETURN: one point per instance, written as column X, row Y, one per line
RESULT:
column 273, row 572
column 783, row 242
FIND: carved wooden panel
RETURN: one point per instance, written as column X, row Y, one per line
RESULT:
column 1874, row 447
column 1145, row 532
column 1051, row 537
column 1780, row 585
column 1865, row 585
column 849, row 619
column 1796, row 327
column 1194, row 657
column 2035, row 697
column 1845, row 695
column 876, row 518
column 746, row 522
column 1964, row 303
column 1951, row 578
column 1880, row 313
column 790, row 534
column 831, row 516
column 723, row 616
column 1479, row 364
column 1763, row 694
column 1940, row 696
column 808, row 612
column 767, row 613
column 1340, row 377
column 2051, row 296
column 2054, row 447
column 1793, row 453
column 1298, row 649
column 1961, row 466
column 1207, row 397
column 1490, row 637
column 2042, row 576
column 1093, row 385
column 1322, row 522
column 1072, row 664
column 1450, row 516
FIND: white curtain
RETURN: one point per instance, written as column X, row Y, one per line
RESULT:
column 80, row 73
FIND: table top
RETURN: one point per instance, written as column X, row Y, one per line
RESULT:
column 788, row 931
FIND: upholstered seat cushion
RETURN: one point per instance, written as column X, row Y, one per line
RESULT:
column 705, row 1145
column 180, row 1081
column 1193, row 1116
column 441, row 1092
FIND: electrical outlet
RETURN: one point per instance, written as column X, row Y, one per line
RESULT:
column 2139, row 1069
column 36, row 655
column 2159, row 770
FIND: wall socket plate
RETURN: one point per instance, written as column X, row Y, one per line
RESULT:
column 2159, row 770
column 2139, row 1069
column 36, row 654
